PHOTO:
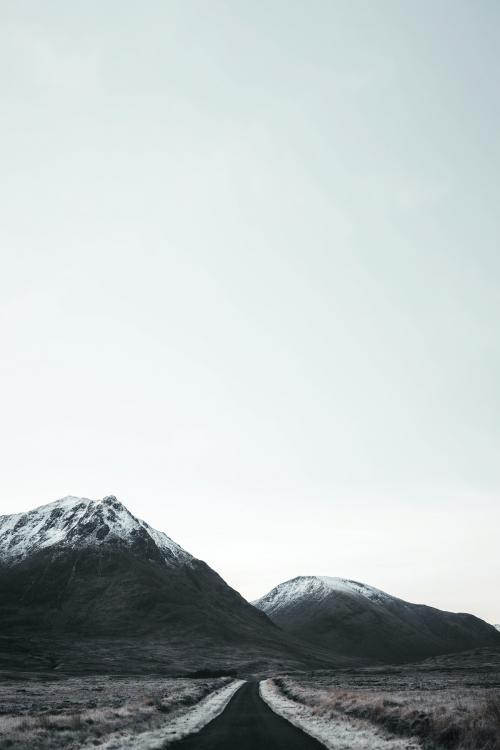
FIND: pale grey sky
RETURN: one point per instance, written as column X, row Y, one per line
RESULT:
column 250, row 281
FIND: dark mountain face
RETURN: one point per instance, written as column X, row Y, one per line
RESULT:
column 354, row 619
column 77, row 571
column 119, row 591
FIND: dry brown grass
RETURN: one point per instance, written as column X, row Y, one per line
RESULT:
column 442, row 720
column 77, row 712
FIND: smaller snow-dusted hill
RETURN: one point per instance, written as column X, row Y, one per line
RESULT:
column 352, row 618
column 77, row 523
column 497, row 627
column 313, row 589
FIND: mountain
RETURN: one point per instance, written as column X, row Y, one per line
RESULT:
column 497, row 627
column 354, row 619
column 87, row 586
column 78, row 523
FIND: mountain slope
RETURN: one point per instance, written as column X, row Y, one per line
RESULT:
column 352, row 618
column 78, row 570
column 79, row 523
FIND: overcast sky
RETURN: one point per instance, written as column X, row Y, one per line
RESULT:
column 250, row 281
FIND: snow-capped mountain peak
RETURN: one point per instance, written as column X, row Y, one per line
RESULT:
column 77, row 522
column 315, row 588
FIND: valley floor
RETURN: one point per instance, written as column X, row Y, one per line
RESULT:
column 449, row 703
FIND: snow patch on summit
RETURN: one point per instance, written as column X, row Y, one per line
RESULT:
column 315, row 588
column 77, row 522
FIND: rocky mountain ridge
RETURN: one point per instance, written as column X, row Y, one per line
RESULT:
column 77, row 523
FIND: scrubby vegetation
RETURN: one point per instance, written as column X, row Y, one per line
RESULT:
column 38, row 714
column 451, row 709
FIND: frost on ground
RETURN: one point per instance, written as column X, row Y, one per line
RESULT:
column 177, row 726
column 334, row 729
column 450, row 702
column 106, row 712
